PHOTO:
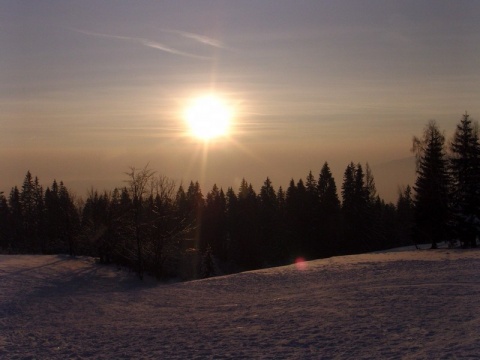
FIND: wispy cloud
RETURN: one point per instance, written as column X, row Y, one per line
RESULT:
column 146, row 42
column 197, row 37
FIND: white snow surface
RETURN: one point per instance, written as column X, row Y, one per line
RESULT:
column 395, row 305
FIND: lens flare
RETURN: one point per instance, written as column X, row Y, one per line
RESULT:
column 300, row 263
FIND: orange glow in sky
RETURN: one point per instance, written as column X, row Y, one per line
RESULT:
column 89, row 90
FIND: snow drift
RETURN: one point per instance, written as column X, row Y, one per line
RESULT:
column 410, row 304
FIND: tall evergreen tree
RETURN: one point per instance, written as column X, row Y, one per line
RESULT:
column 465, row 170
column 248, row 231
column 16, row 221
column 5, row 225
column 312, row 231
column 327, row 190
column 195, row 206
column 348, row 190
column 362, row 223
column 214, row 227
column 431, row 186
column 40, row 222
column 361, row 193
column 299, row 220
column 370, row 188
column 268, row 217
column 29, row 212
column 281, row 199
column 233, row 225
column 53, row 219
column 379, row 217
column 328, row 213
column 70, row 219
column 311, row 189
column 356, row 211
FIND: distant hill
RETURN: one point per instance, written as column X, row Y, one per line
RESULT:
column 389, row 176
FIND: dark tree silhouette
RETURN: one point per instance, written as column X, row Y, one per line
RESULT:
column 194, row 206
column 208, row 265
column 405, row 215
column 6, row 245
column 359, row 207
column 69, row 221
column 214, row 224
column 297, row 219
column 233, row 226
column 329, row 216
column 17, row 240
column 165, row 245
column 247, row 227
column 431, row 186
column 137, row 186
column 350, row 208
column 154, row 228
column 53, row 219
column 268, row 217
column 465, row 170
column 29, row 212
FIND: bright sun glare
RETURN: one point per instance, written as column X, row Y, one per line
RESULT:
column 208, row 117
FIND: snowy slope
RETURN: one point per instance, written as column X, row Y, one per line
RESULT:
column 409, row 305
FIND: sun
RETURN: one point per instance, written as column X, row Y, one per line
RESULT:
column 208, row 117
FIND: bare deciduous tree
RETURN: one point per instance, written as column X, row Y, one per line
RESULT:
column 137, row 185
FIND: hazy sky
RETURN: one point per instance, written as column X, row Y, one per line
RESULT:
column 89, row 88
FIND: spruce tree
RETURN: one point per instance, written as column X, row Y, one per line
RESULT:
column 5, row 225
column 312, row 231
column 292, row 236
column 370, row 188
column 379, row 216
column 233, row 224
column 29, row 212
column 214, row 227
column 70, row 220
column 250, row 242
column 348, row 190
column 356, row 211
column 52, row 219
column 465, row 170
column 349, row 207
column 268, row 216
column 327, row 191
column 40, row 222
column 16, row 221
column 328, row 213
column 431, row 187
column 243, row 226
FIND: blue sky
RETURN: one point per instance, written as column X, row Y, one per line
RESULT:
column 89, row 88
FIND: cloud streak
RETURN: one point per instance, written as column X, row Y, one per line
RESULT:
column 146, row 42
column 197, row 37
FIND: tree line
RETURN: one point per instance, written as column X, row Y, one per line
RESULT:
column 447, row 188
column 153, row 226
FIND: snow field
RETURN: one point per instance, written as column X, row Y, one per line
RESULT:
column 394, row 305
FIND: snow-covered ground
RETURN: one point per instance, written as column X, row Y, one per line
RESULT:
column 409, row 305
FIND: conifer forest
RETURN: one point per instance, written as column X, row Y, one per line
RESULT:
column 155, row 226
